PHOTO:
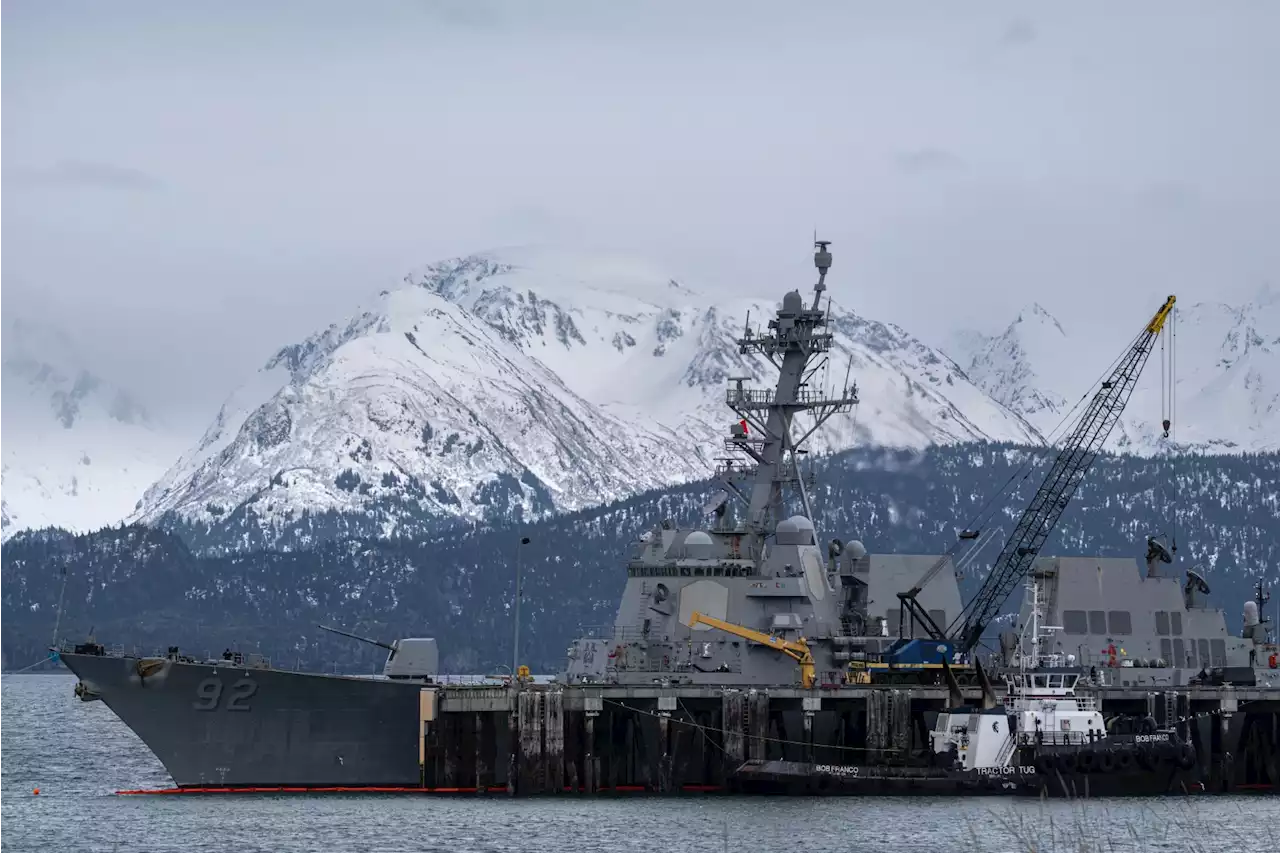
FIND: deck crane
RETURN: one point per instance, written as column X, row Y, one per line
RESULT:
column 1038, row 520
column 797, row 650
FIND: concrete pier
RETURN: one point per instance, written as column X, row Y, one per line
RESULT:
column 551, row 739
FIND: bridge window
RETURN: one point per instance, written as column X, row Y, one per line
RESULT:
column 1166, row 650
column 1179, row 652
column 1162, row 623
column 1204, row 652
column 1055, row 682
column 1219, row 648
column 1176, row 618
column 1121, row 622
column 1097, row 622
column 1040, row 681
column 1075, row 622
column 1192, row 663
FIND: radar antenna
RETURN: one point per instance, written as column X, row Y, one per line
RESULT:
column 794, row 339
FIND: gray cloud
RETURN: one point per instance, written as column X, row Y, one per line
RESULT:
column 81, row 174
column 928, row 161
column 467, row 14
column 315, row 161
column 1018, row 33
column 1170, row 196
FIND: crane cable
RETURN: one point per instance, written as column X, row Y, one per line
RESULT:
column 988, row 510
column 1168, row 418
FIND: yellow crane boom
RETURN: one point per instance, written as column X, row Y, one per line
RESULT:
column 797, row 650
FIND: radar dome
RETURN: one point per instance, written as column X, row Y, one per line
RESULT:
column 1251, row 613
column 793, row 303
column 697, row 545
column 796, row 530
column 856, row 550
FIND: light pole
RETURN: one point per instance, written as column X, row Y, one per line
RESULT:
column 515, row 652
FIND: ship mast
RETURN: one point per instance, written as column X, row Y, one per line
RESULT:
column 794, row 339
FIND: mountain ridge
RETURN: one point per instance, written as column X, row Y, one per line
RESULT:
column 1225, row 363
column 572, row 390
column 565, row 379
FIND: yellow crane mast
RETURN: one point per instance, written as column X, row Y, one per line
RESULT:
column 797, row 650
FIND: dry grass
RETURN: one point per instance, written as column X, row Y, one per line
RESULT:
column 1096, row 826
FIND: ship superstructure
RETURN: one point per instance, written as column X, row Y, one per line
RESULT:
column 759, row 567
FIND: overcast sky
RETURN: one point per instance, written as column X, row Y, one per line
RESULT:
column 193, row 185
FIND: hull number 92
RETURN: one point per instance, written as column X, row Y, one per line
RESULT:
column 210, row 695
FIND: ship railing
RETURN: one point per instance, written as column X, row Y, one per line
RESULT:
column 1018, row 701
column 619, row 635
column 763, row 397
column 668, row 667
column 471, row 680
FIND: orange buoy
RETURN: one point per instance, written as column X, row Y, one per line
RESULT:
column 35, row 792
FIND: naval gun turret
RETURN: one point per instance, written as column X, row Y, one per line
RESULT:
column 407, row 657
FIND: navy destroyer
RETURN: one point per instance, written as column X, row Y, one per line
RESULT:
column 788, row 654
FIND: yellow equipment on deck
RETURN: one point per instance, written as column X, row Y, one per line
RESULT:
column 798, row 650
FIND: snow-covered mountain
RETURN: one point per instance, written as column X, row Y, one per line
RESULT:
column 534, row 381
column 1026, row 368
column 1227, row 371
column 79, row 451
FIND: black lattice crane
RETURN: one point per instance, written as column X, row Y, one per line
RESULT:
column 1041, row 515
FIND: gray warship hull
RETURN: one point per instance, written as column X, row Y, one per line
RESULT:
column 219, row 725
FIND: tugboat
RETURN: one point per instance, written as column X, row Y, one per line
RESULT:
column 1054, row 740
column 1045, row 739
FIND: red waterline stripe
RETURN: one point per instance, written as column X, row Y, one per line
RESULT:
column 370, row 789
column 379, row 789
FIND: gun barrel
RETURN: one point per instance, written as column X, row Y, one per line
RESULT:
column 386, row 646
